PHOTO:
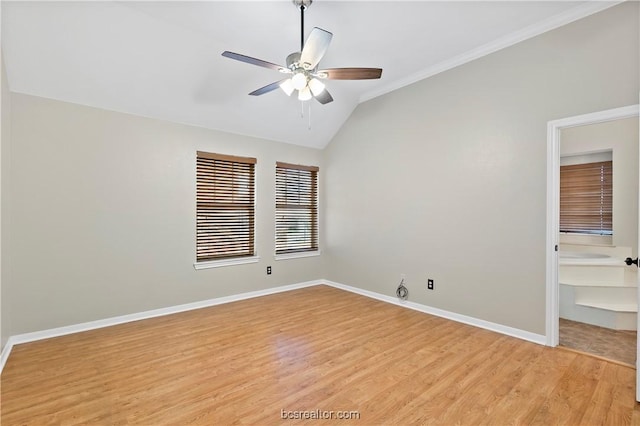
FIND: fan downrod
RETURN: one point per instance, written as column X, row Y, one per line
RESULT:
column 302, row 5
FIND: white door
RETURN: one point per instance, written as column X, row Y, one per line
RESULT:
column 638, row 298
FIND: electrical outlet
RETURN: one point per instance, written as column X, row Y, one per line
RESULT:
column 268, row 270
column 429, row 284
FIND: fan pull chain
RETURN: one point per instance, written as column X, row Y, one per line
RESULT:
column 308, row 113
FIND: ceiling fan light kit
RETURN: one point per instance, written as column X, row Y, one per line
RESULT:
column 303, row 66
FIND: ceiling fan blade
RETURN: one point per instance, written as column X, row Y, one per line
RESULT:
column 253, row 61
column 315, row 47
column 324, row 97
column 268, row 88
column 350, row 73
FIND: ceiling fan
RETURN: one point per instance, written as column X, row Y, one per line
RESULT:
column 303, row 66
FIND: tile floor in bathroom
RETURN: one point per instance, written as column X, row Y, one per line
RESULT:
column 617, row 345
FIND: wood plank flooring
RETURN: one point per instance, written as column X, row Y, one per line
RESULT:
column 294, row 353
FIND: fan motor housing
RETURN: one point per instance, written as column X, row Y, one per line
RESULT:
column 293, row 59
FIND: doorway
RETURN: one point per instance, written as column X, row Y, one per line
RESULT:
column 598, row 231
column 554, row 129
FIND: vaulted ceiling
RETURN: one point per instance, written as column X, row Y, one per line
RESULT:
column 163, row 59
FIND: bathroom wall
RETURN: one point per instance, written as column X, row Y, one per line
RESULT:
column 620, row 137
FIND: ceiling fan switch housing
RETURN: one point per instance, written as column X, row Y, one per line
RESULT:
column 292, row 60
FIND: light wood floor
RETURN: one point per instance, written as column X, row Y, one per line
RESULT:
column 311, row 349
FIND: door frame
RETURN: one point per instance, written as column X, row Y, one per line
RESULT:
column 553, row 205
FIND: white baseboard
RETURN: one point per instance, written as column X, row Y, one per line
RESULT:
column 487, row 325
column 5, row 353
column 107, row 322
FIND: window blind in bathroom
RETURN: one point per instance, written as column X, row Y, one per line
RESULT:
column 225, row 207
column 586, row 198
column 296, row 208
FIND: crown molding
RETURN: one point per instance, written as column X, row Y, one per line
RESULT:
column 571, row 15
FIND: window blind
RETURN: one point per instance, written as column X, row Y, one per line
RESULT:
column 296, row 208
column 586, row 198
column 225, row 206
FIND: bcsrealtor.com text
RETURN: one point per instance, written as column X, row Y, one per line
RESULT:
column 319, row 415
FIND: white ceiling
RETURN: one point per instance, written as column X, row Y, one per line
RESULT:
column 162, row 59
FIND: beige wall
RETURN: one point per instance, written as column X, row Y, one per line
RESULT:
column 103, row 215
column 446, row 178
column 5, row 139
column 620, row 137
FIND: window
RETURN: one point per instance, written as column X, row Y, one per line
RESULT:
column 586, row 198
column 296, row 208
column 225, row 206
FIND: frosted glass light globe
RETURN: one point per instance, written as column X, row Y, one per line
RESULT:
column 287, row 87
column 316, row 86
column 299, row 81
column 304, row 94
